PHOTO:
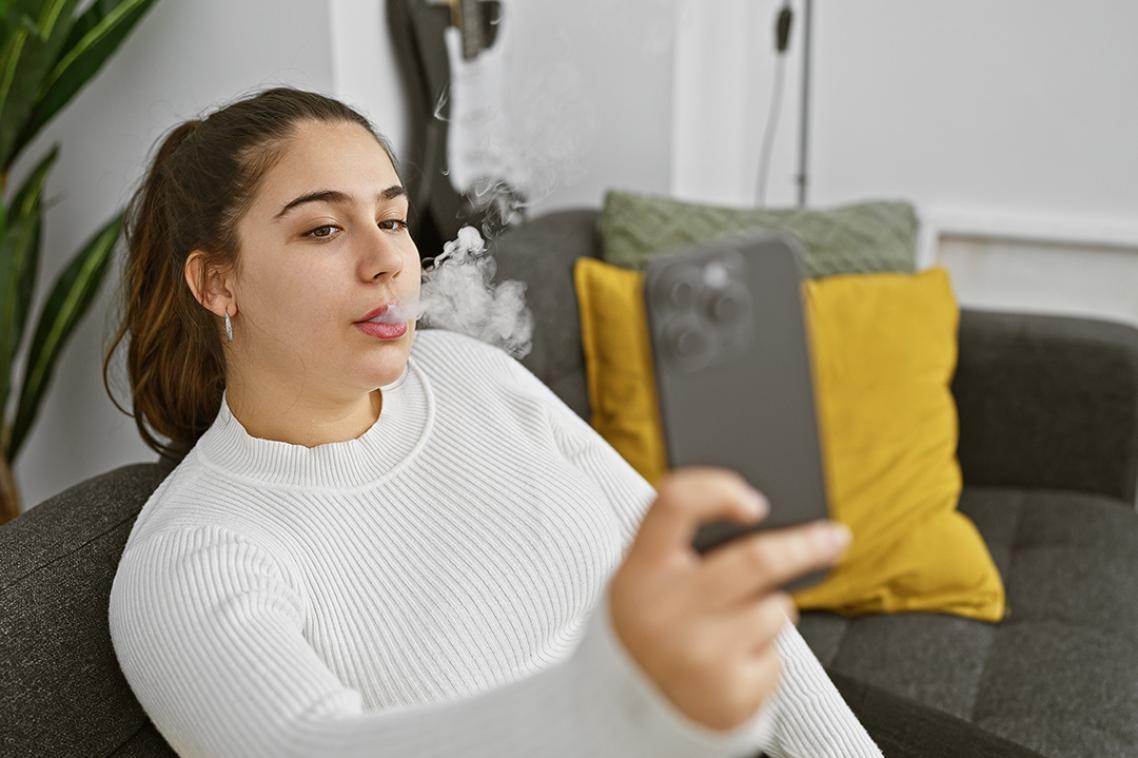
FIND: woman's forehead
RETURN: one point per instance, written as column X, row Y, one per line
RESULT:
column 338, row 147
column 327, row 158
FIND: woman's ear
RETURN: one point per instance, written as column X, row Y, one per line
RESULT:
column 209, row 283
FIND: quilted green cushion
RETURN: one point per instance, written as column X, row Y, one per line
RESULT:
column 878, row 235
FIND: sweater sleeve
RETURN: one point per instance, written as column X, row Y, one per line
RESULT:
column 209, row 633
column 812, row 720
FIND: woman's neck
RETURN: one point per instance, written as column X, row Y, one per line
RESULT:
column 307, row 421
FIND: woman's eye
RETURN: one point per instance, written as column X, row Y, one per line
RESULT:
column 324, row 232
column 312, row 233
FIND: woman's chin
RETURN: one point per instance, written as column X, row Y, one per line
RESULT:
column 388, row 368
column 384, row 360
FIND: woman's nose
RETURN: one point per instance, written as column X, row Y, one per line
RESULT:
column 383, row 255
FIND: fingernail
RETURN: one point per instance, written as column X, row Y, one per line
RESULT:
column 839, row 535
column 757, row 504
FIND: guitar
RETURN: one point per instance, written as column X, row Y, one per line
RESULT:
column 418, row 29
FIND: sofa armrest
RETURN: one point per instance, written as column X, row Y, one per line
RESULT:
column 1048, row 401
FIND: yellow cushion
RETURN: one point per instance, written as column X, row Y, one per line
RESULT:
column 883, row 347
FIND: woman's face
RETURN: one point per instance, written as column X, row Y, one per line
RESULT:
column 313, row 266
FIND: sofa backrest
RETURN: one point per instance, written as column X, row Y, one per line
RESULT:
column 61, row 690
column 542, row 255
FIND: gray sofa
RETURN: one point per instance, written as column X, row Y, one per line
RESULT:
column 1049, row 448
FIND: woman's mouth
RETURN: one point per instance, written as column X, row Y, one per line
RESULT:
column 383, row 331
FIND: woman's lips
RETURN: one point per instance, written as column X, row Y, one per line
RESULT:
column 381, row 330
column 377, row 312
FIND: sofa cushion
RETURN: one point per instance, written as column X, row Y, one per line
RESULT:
column 542, row 256
column 1060, row 674
column 887, row 430
column 1016, row 370
column 61, row 690
column 875, row 235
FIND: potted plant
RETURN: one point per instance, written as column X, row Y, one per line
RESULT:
column 48, row 52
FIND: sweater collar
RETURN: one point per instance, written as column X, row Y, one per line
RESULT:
column 398, row 434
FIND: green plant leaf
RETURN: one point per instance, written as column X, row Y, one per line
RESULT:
column 29, row 201
column 19, row 238
column 21, row 13
column 70, row 298
column 30, row 191
column 24, row 63
column 19, row 262
column 21, row 235
column 27, row 284
column 12, row 19
column 94, row 38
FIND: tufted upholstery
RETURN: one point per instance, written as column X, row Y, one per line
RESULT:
column 1061, row 673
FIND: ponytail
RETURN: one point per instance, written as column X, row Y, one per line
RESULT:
column 176, row 369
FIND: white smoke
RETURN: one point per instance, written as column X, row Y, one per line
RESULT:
column 510, row 148
column 458, row 293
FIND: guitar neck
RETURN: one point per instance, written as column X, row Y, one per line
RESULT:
column 469, row 17
column 470, row 24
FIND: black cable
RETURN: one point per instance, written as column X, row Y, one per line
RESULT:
column 782, row 28
column 782, row 40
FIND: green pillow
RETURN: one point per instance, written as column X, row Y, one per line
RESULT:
column 862, row 237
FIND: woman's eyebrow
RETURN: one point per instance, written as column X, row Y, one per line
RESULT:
column 335, row 196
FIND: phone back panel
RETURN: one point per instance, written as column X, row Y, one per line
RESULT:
column 733, row 373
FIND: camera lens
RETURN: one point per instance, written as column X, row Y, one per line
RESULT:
column 686, row 339
column 681, row 293
column 677, row 289
column 728, row 304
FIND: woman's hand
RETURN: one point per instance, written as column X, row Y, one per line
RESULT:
column 703, row 627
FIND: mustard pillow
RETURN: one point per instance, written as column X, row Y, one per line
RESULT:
column 883, row 347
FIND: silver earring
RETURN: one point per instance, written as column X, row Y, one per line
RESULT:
column 228, row 327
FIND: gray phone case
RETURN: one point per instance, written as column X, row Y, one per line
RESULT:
column 733, row 376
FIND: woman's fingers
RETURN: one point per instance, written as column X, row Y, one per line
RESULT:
column 758, row 563
column 713, row 656
column 683, row 502
column 754, row 626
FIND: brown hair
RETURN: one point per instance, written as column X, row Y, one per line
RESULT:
column 200, row 183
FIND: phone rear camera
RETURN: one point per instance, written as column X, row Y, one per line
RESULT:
column 687, row 340
column 728, row 305
column 682, row 293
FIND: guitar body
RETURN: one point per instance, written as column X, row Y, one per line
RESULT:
column 418, row 28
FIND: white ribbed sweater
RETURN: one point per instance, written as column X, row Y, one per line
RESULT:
column 434, row 587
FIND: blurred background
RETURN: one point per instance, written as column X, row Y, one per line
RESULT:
column 1009, row 125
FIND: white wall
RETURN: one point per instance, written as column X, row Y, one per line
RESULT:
column 1018, row 105
column 723, row 77
column 587, row 96
column 365, row 74
column 1010, row 125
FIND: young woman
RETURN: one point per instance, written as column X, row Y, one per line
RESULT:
column 380, row 541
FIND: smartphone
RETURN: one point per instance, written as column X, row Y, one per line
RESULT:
column 734, row 379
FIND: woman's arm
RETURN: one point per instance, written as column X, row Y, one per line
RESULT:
column 811, row 718
column 208, row 632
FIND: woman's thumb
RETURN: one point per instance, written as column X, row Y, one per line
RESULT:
column 688, row 497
